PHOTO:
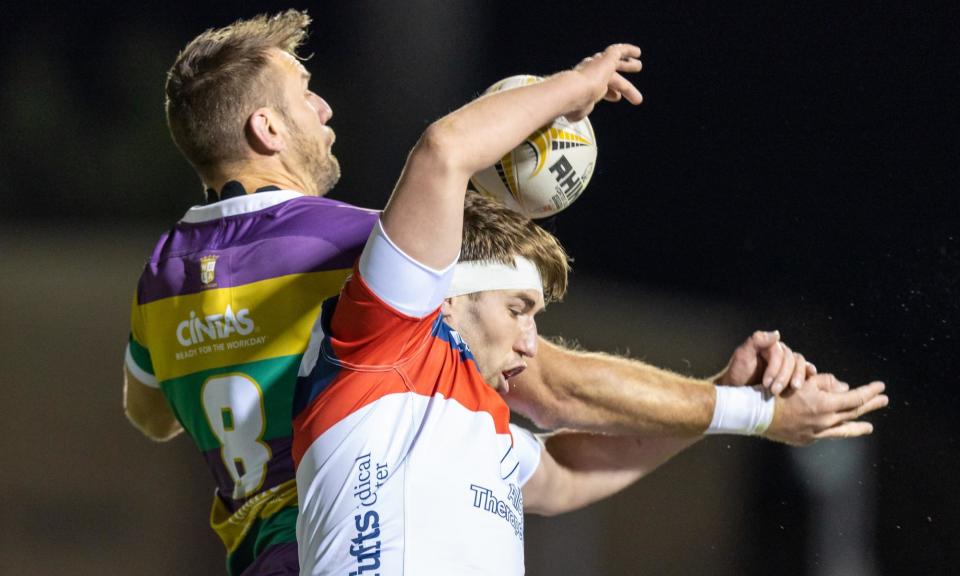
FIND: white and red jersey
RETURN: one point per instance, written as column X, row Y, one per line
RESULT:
column 406, row 460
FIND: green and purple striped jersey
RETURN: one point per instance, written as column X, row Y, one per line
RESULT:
column 221, row 318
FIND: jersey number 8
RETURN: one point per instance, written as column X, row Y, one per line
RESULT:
column 234, row 407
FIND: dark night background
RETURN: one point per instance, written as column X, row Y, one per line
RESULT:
column 796, row 160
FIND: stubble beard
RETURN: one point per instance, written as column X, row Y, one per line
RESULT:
column 321, row 166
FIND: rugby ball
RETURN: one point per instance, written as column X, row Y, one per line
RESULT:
column 548, row 171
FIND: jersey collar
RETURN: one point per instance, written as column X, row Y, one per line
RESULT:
column 238, row 205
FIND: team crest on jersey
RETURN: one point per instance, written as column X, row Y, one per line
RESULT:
column 208, row 269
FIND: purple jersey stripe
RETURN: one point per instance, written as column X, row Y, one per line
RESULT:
column 275, row 560
column 279, row 470
column 327, row 235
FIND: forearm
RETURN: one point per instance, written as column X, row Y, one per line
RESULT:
column 485, row 129
column 603, row 393
column 481, row 132
column 424, row 214
column 593, row 467
column 157, row 427
column 148, row 411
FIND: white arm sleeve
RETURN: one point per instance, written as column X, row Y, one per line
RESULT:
column 138, row 372
column 405, row 284
column 528, row 448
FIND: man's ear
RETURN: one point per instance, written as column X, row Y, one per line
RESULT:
column 446, row 308
column 265, row 131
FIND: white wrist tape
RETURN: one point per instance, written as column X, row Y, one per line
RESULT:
column 741, row 410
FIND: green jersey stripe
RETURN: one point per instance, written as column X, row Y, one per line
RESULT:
column 273, row 378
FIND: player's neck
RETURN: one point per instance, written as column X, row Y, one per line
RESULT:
column 252, row 182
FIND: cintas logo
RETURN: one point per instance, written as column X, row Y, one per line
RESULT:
column 195, row 329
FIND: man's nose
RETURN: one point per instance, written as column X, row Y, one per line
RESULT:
column 324, row 111
column 527, row 344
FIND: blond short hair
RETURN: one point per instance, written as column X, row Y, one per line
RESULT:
column 494, row 233
column 221, row 78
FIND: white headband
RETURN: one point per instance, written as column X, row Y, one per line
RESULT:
column 479, row 276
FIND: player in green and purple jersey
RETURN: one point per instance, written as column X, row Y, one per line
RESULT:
column 222, row 315
column 225, row 305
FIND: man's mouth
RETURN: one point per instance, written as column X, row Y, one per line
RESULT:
column 506, row 375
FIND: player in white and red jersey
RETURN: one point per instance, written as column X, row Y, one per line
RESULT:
column 406, row 461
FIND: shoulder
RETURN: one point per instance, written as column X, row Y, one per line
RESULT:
column 255, row 237
column 309, row 207
column 312, row 219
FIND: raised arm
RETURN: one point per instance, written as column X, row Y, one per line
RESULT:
column 424, row 216
column 577, row 468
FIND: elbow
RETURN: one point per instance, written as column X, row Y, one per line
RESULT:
column 560, row 501
column 539, row 511
column 152, row 426
column 441, row 146
column 543, row 409
column 548, row 511
column 548, row 416
column 147, row 410
column 557, row 409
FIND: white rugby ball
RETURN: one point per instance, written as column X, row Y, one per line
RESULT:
column 548, row 171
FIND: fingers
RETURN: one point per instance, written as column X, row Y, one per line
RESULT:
column 867, row 407
column 774, row 355
column 621, row 57
column 611, row 65
column 622, row 52
column 858, row 398
column 626, row 60
column 621, row 87
column 784, row 366
column 799, row 371
column 632, row 65
column 785, row 373
column 826, row 408
column 846, row 430
column 764, row 339
column 766, row 345
column 829, row 383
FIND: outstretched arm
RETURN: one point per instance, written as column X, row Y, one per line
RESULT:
column 577, row 469
column 564, row 388
column 424, row 216
column 596, row 392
